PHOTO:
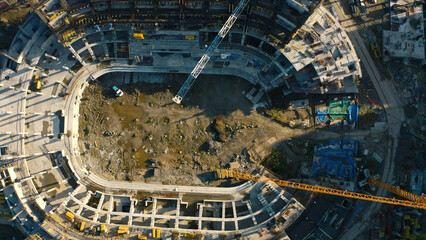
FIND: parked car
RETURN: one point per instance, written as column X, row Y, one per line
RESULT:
column 354, row 9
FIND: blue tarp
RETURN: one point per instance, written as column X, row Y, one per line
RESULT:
column 353, row 113
column 336, row 158
column 321, row 115
column 327, row 167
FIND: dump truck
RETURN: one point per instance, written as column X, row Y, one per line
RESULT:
column 103, row 229
column 37, row 82
column 82, row 226
column 142, row 237
column 122, row 230
column 70, row 216
column 138, row 36
column 156, row 233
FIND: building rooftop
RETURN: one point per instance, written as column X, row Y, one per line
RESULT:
column 406, row 37
column 323, row 44
column 323, row 219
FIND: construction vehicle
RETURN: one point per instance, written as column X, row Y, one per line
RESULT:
column 122, row 230
column 70, row 216
column 210, row 51
column 414, row 200
column 118, row 92
column 82, row 226
column 189, row 235
column 375, row 49
column 142, row 237
column 138, row 36
column 103, row 229
column 36, row 83
column 156, row 233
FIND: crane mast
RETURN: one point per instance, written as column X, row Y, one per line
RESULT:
column 421, row 203
column 209, row 52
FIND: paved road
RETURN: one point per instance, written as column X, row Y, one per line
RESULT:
column 394, row 113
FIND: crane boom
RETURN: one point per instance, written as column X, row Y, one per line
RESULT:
column 209, row 52
column 397, row 191
column 320, row 189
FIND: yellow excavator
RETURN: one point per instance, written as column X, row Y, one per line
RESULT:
column 414, row 200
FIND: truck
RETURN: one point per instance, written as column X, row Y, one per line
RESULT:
column 122, row 230
column 118, row 92
column 376, row 51
column 70, row 216
column 82, row 226
column 37, row 82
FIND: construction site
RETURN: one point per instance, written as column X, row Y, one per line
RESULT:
column 203, row 119
column 143, row 136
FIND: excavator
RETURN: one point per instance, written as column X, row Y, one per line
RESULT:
column 413, row 200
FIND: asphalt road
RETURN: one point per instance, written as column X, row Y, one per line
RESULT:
column 394, row 114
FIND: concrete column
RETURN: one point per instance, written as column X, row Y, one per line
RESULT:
column 243, row 38
column 71, row 195
column 110, row 209
column 115, row 50
column 261, row 44
column 132, row 210
column 223, row 216
column 76, row 55
column 177, row 214
column 154, row 211
column 251, row 213
column 101, row 202
column 16, row 215
column 200, row 215
column 84, row 202
column 104, row 45
column 89, row 49
column 234, row 210
column 115, row 44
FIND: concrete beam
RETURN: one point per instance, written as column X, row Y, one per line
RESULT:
column 132, row 210
column 234, row 210
column 110, row 209
column 177, row 214
column 84, row 202
column 154, row 211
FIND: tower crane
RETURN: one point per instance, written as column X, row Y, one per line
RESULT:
column 415, row 201
column 209, row 52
